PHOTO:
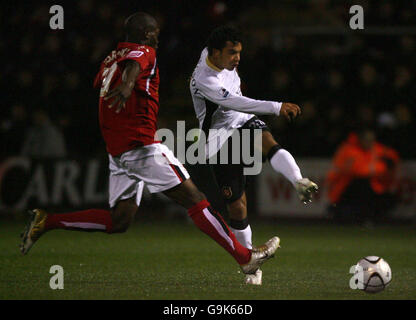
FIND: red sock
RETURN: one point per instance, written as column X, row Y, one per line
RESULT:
column 211, row 223
column 87, row 220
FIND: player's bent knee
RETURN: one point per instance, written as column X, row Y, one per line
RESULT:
column 269, row 145
column 122, row 215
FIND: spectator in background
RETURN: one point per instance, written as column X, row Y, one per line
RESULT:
column 405, row 130
column 370, row 83
column 43, row 139
column 13, row 129
column 361, row 178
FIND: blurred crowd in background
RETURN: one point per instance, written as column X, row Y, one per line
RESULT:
column 294, row 51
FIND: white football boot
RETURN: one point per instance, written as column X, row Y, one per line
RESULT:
column 305, row 189
column 260, row 255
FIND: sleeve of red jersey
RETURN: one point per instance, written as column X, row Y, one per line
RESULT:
column 136, row 55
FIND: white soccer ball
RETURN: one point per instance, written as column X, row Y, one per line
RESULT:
column 373, row 274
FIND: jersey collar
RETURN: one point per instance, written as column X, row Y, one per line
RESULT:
column 132, row 45
column 211, row 65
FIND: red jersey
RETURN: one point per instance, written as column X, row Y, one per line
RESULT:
column 134, row 125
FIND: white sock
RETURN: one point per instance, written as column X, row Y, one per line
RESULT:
column 282, row 161
column 243, row 236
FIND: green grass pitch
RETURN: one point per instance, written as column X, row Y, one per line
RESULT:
column 176, row 261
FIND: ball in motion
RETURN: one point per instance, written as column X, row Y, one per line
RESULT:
column 372, row 274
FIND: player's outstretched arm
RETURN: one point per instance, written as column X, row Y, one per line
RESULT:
column 210, row 89
column 122, row 92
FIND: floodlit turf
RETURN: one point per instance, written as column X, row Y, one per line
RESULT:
column 177, row 261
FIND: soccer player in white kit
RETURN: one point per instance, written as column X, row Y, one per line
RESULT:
column 219, row 104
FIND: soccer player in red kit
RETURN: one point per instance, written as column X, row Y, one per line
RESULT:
column 128, row 105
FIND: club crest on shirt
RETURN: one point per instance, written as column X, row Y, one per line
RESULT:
column 224, row 92
column 227, row 192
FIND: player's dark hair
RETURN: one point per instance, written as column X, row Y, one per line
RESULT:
column 220, row 35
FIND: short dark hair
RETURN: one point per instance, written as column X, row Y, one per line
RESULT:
column 137, row 24
column 220, row 35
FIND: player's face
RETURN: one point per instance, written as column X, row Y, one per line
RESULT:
column 229, row 56
column 153, row 36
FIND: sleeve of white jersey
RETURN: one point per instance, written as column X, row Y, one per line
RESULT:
column 213, row 91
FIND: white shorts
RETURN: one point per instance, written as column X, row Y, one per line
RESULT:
column 154, row 165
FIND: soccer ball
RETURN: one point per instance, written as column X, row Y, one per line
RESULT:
column 372, row 274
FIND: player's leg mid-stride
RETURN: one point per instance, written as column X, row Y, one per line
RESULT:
column 119, row 218
column 283, row 162
column 232, row 182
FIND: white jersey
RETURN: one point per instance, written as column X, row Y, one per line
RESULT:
column 219, row 104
